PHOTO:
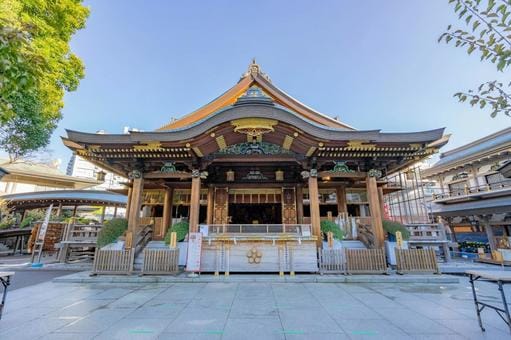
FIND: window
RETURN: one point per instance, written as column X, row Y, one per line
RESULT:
column 458, row 188
column 497, row 181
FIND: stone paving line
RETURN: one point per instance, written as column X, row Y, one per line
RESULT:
column 249, row 310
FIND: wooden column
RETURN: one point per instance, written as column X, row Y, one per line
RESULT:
column 102, row 217
column 115, row 212
column 195, row 202
column 314, row 206
column 167, row 210
column 59, row 210
column 375, row 208
column 128, row 202
column 135, row 204
column 342, row 206
column 211, row 202
column 382, row 202
column 299, row 203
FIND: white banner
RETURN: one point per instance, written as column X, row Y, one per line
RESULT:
column 194, row 252
column 44, row 226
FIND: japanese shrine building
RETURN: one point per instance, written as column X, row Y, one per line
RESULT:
column 255, row 156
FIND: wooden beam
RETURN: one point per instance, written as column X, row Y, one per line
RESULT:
column 375, row 208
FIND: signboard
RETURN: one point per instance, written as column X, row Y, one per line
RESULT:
column 399, row 240
column 194, row 252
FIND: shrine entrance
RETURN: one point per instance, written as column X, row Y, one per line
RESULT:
column 269, row 213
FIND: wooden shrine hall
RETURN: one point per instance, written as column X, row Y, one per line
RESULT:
column 257, row 167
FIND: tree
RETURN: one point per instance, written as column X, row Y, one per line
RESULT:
column 36, row 68
column 488, row 33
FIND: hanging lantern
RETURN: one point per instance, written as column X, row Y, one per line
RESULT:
column 279, row 175
column 229, row 176
column 100, row 176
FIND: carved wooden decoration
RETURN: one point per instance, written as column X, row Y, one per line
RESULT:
column 221, row 210
column 289, row 206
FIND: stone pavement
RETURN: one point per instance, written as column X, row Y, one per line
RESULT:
column 249, row 310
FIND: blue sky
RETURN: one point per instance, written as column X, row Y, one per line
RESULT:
column 375, row 64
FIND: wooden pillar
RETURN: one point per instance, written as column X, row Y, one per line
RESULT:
column 115, row 212
column 102, row 217
column 375, row 208
column 211, row 203
column 340, row 193
column 382, row 202
column 59, row 210
column 299, row 203
column 195, row 202
column 135, row 204
column 489, row 233
column 128, row 202
column 314, row 206
column 167, row 210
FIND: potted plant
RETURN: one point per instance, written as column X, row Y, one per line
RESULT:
column 329, row 226
column 181, row 229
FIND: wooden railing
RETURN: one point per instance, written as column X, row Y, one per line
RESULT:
column 142, row 239
column 416, row 261
column 113, row 261
column 332, row 261
column 366, row 261
column 299, row 229
column 469, row 190
column 160, row 261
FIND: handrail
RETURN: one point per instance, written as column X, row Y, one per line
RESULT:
column 468, row 190
column 143, row 237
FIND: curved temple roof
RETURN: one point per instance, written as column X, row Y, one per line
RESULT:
column 65, row 197
column 255, row 77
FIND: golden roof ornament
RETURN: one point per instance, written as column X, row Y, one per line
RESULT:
column 254, row 69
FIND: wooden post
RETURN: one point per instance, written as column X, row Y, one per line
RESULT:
column 128, row 202
column 299, row 203
column 195, row 202
column 167, row 210
column 314, row 206
column 115, row 212
column 211, row 203
column 342, row 206
column 135, row 204
column 102, row 217
column 382, row 202
column 375, row 208
column 59, row 210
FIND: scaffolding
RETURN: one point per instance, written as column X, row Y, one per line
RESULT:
column 409, row 203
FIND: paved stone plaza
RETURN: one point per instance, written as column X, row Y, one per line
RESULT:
column 252, row 310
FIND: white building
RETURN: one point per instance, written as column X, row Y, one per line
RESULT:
column 79, row 167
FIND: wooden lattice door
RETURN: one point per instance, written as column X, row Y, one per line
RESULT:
column 289, row 206
column 221, row 210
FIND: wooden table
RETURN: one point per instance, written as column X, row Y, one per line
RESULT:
column 498, row 277
column 5, row 279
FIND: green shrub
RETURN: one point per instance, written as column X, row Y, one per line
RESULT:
column 111, row 231
column 181, row 230
column 392, row 226
column 327, row 226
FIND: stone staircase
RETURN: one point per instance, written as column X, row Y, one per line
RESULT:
column 353, row 244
